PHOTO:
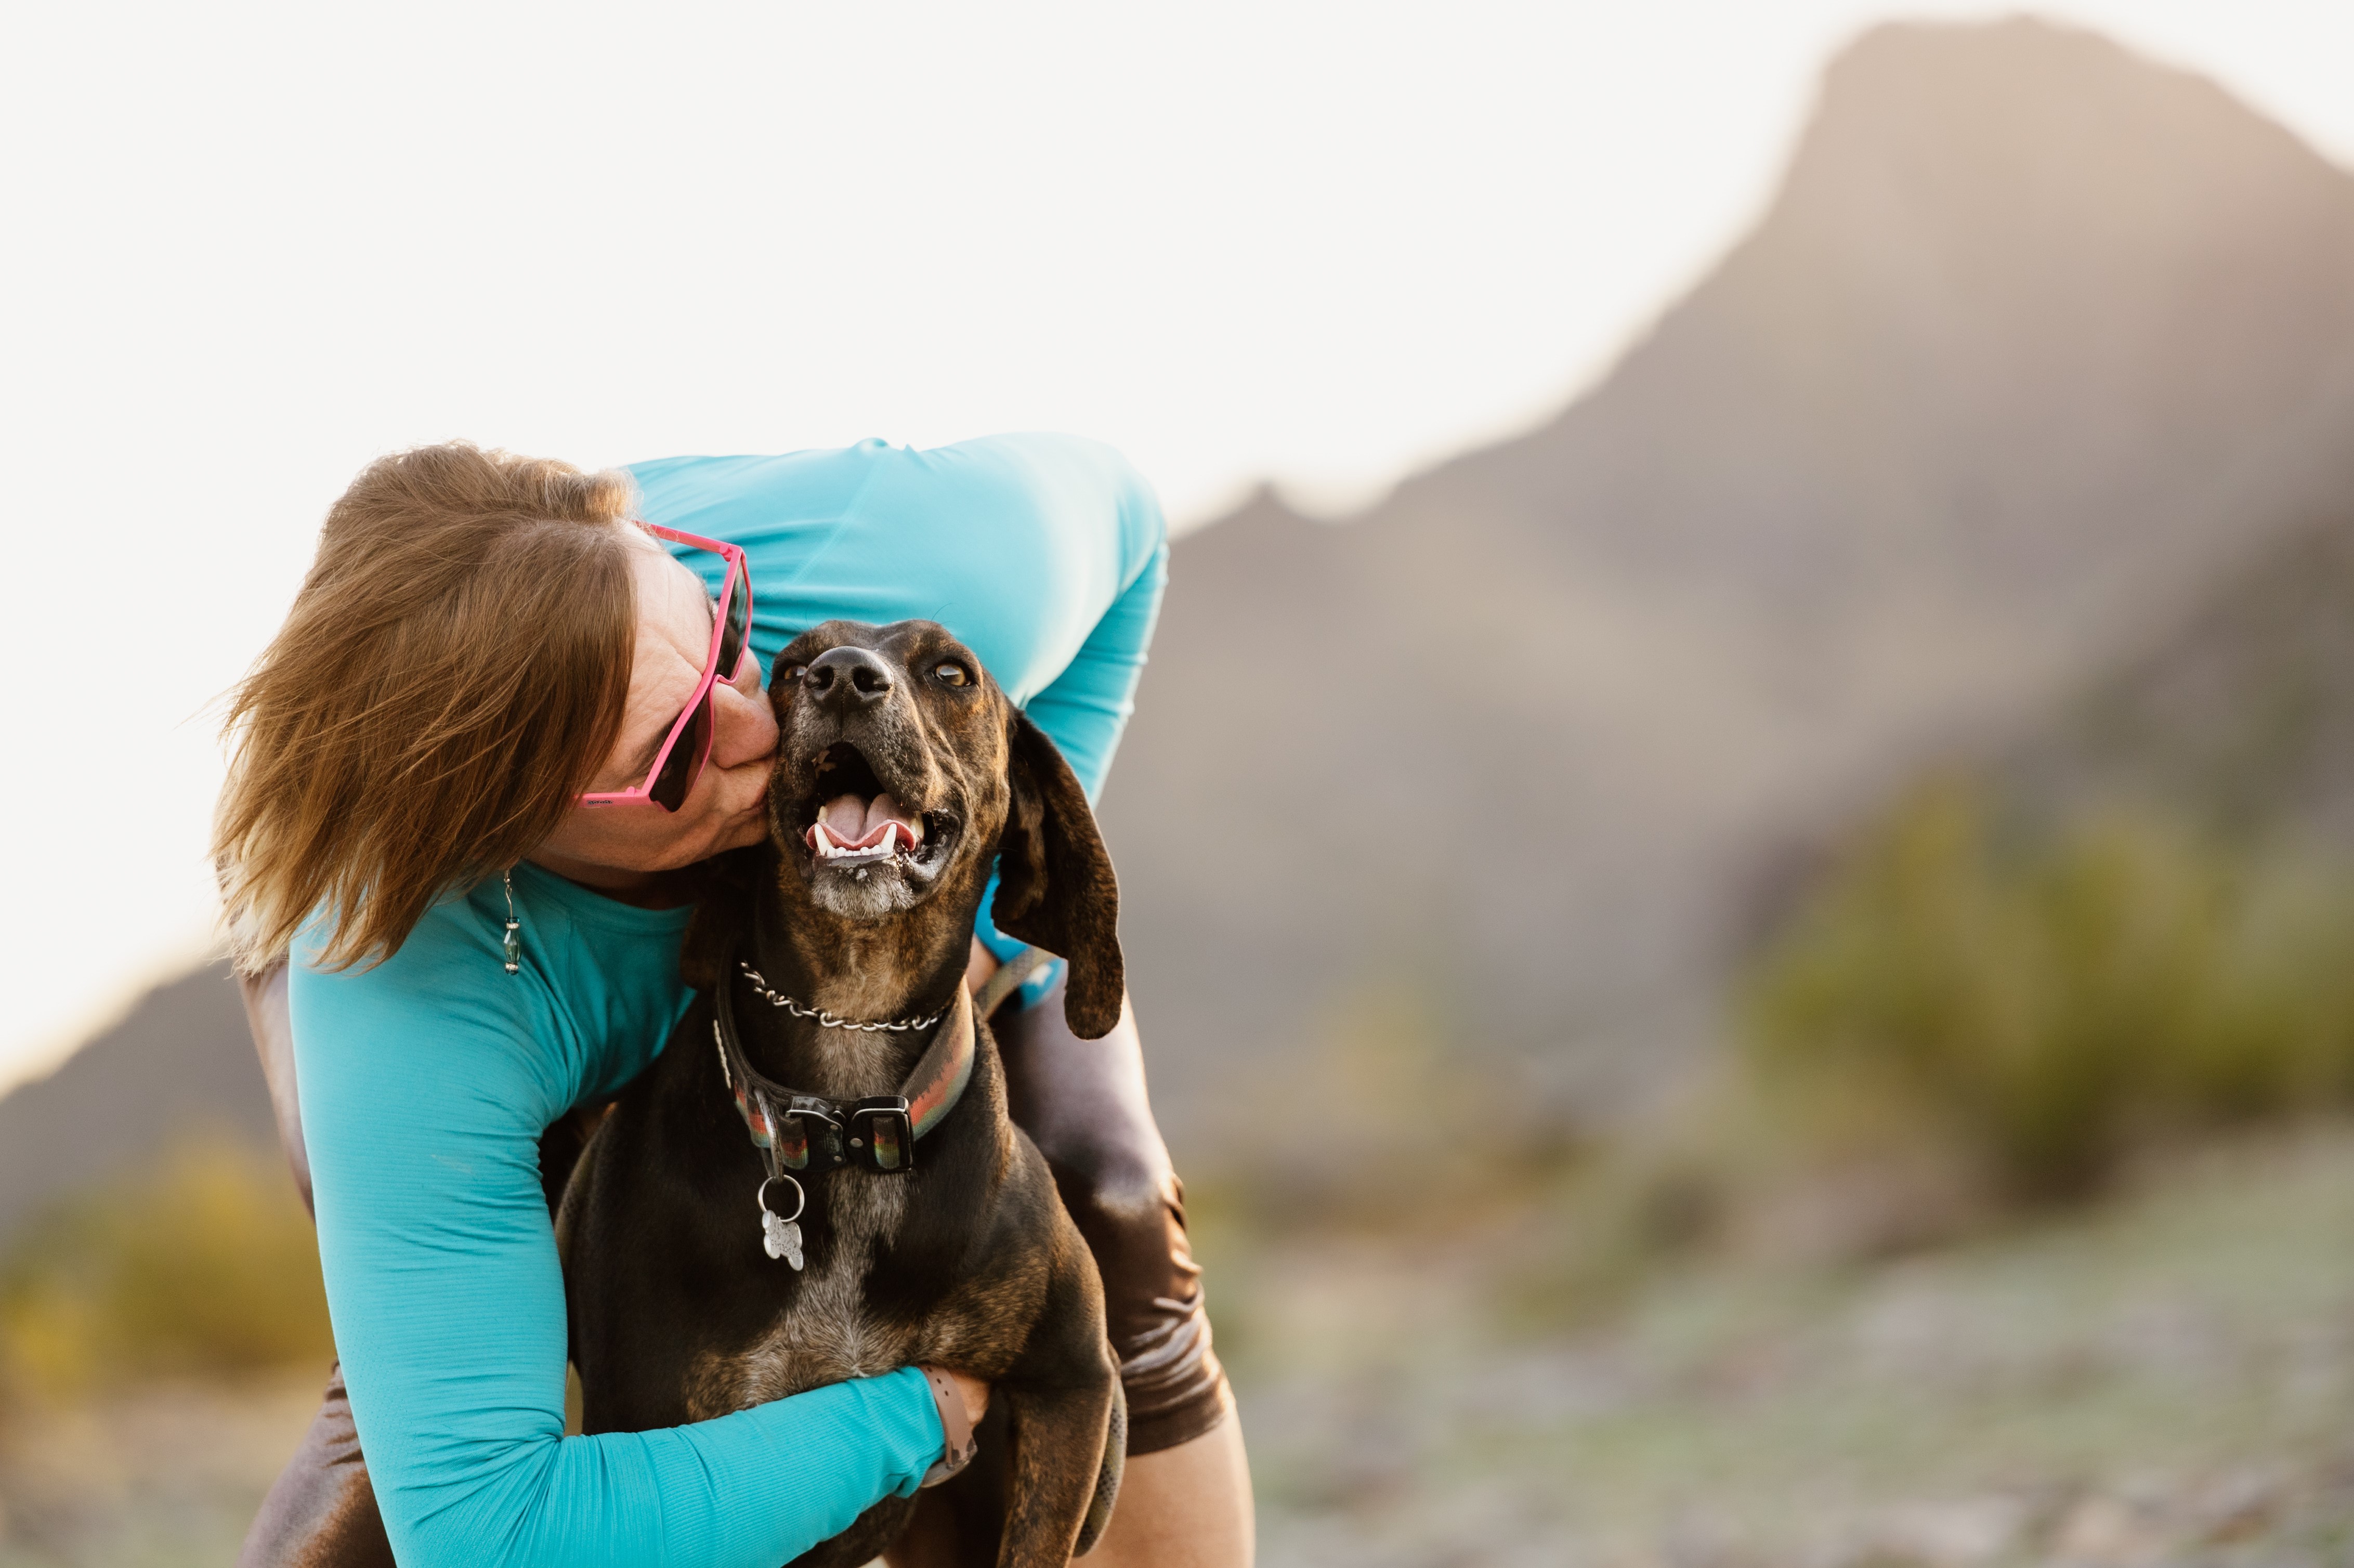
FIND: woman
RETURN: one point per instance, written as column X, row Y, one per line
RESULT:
column 485, row 644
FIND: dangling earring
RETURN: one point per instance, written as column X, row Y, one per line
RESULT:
column 514, row 944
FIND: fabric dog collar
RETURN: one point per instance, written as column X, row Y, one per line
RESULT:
column 811, row 1134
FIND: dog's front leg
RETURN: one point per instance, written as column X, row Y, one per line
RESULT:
column 1068, row 1437
column 1060, row 1436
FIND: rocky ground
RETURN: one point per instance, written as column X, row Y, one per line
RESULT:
column 165, row 1479
column 2168, row 1380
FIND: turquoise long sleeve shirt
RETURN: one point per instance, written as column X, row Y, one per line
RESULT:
column 427, row 1080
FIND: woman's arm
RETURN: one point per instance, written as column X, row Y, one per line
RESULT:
column 424, row 1082
column 1087, row 705
column 1046, row 553
column 1101, row 508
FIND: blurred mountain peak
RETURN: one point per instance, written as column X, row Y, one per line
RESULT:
column 1977, row 122
column 2037, row 342
column 2008, row 261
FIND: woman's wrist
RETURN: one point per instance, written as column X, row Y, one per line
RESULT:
column 956, row 1425
column 978, row 966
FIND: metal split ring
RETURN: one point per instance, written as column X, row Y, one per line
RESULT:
column 800, row 1199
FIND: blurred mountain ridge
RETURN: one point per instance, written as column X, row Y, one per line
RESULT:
column 2037, row 341
column 2019, row 424
column 181, row 1065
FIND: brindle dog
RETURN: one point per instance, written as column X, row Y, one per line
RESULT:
column 968, row 1260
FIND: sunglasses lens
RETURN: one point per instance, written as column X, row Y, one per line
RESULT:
column 739, row 625
column 684, row 761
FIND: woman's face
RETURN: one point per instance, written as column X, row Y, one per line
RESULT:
column 616, row 846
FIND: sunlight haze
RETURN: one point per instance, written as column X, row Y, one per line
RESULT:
column 254, row 247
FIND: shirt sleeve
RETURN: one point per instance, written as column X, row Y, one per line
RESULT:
column 422, row 1107
column 1085, row 708
column 1087, row 705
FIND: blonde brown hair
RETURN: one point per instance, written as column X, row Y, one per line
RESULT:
column 452, row 675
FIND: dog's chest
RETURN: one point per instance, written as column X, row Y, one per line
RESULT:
column 824, row 1333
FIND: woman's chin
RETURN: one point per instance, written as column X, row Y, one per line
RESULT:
column 751, row 828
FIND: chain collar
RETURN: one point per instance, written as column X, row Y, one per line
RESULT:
column 805, row 1134
column 826, row 1019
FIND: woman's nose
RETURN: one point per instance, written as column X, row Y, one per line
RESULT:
column 744, row 729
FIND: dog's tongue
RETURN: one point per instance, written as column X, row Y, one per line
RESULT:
column 845, row 817
column 854, row 824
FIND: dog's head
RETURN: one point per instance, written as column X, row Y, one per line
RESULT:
column 902, row 770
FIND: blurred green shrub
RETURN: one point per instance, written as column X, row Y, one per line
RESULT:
column 1387, row 1119
column 202, row 1264
column 2041, row 1004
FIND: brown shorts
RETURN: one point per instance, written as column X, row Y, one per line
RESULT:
column 1081, row 1101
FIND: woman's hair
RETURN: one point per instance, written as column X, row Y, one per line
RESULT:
column 451, row 676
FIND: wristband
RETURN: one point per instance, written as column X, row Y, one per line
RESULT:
column 956, row 1425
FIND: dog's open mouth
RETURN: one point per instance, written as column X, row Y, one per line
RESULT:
column 859, row 825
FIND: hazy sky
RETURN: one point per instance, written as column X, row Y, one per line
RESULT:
column 252, row 246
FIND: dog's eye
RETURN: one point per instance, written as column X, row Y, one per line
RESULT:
column 791, row 673
column 950, row 672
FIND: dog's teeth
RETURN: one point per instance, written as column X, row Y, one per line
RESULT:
column 824, row 845
column 890, row 838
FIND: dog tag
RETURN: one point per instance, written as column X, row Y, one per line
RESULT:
column 782, row 1238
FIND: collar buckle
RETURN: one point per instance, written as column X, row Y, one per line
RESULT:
column 814, row 1134
column 814, row 1105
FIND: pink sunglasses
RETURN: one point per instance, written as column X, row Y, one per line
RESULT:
column 687, row 747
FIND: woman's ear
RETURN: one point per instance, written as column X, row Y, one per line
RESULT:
column 1055, row 884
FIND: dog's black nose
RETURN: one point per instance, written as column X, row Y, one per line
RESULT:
column 848, row 679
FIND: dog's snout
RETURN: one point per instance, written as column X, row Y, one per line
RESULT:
column 848, row 679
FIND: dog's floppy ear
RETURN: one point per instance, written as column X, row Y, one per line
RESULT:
column 1055, row 884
